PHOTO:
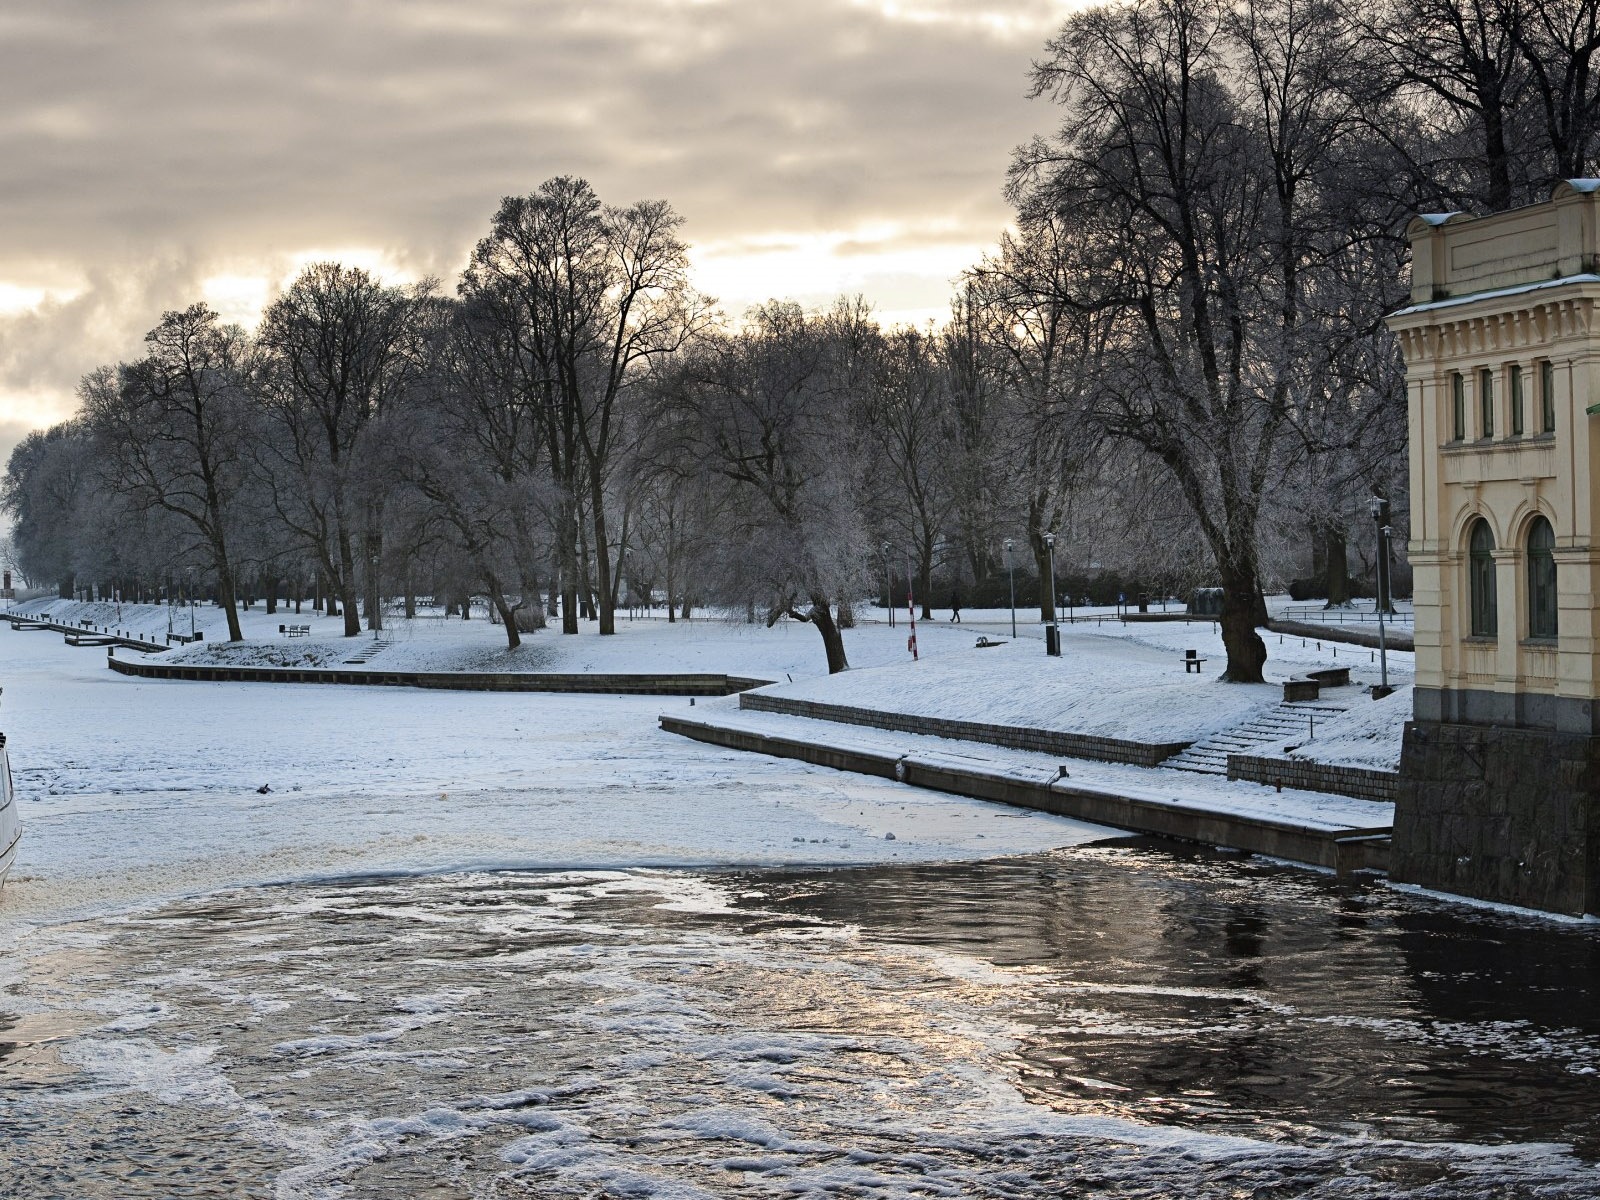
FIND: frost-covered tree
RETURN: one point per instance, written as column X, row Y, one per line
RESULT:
column 171, row 429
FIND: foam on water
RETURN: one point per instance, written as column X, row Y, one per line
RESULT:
column 642, row 1033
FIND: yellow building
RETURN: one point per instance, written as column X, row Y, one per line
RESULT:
column 1501, row 768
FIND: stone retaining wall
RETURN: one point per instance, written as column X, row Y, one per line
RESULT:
column 1360, row 782
column 1395, row 639
column 1344, row 850
column 1043, row 741
column 471, row 681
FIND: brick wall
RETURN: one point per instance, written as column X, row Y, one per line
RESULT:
column 1360, row 782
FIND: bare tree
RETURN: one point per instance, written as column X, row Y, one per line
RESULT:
column 586, row 294
column 340, row 347
column 173, row 425
column 759, row 412
column 1043, row 347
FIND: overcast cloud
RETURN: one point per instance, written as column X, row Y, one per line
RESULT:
column 162, row 151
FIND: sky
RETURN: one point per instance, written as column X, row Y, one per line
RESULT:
column 159, row 152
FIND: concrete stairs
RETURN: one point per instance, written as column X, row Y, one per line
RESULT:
column 1288, row 721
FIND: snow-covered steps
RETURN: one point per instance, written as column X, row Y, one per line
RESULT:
column 1269, row 727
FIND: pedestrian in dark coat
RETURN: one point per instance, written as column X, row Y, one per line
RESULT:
column 955, row 607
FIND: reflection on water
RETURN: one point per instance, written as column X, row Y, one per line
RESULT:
column 1108, row 1021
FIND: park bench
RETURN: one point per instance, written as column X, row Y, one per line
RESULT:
column 295, row 630
column 985, row 643
column 1192, row 661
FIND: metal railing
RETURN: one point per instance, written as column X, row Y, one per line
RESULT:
column 1343, row 616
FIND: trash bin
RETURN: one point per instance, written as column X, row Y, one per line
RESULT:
column 1052, row 641
column 1144, row 602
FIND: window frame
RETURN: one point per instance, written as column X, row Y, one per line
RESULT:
column 1482, row 601
column 1515, row 390
column 1547, row 397
column 1458, row 407
column 1485, row 403
column 1544, row 623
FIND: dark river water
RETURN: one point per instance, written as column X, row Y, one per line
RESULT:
column 1109, row 1021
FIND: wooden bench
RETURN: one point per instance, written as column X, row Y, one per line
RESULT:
column 295, row 630
column 1192, row 661
column 1331, row 676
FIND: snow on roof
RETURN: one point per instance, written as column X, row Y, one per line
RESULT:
column 1497, row 293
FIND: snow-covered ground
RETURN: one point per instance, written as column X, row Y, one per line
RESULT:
column 1117, row 679
column 135, row 790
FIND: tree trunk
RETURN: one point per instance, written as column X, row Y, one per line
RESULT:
column 832, row 638
column 411, row 598
column 230, row 608
column 1041, row 565
column 602, row 565
column 1247, row 653
column 349, row 599
column 567, row 538
column 508, row 616
column 532, row 601
column 1336, row 566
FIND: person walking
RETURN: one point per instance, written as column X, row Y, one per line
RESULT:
column 955, row 606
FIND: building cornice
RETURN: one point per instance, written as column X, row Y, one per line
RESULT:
column 1535, row 316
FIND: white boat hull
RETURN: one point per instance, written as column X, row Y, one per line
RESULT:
column 10, row 820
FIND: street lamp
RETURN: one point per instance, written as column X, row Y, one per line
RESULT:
column 374, row 620
column 1052, row 631
column 1379, row 508
column 1011, row 571
column 189, row 588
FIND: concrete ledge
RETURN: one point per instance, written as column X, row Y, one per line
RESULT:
column 466, row 681
column 1042, row 741
column 1303, row 774
column 1343, row 850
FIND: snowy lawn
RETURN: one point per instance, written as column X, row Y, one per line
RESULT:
column 1112, row 680
column 135, row 790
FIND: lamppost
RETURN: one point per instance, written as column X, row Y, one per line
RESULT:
column 888, row 582
column 1379, row 508
column 1052, row 631
column 1011, row 571
column 189, row 588
column 375, row 621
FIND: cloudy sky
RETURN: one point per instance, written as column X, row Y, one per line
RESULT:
column 161, row 151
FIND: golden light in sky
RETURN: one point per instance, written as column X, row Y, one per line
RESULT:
column 176, row 153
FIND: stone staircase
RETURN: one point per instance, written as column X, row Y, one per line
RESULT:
column 1288, row 721
column 370, row 649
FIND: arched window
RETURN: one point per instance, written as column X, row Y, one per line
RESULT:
column 1541, row 580
column 1480, row 577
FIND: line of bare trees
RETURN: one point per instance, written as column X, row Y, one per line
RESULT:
column 1174, row 363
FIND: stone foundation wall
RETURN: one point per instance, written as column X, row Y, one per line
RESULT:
column 1044, row 741
column 1360, row 782
column 1510, row 815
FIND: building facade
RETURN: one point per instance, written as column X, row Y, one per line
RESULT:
column 1500, row 791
